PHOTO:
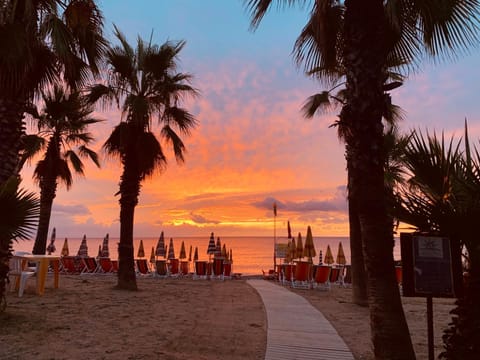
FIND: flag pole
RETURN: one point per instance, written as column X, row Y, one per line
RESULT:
column 274, row 237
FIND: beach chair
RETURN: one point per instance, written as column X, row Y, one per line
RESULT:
column 217, row 269
column 321, row 279
column 115, row 266
column 142, row 267
column 106, row 265
column 302, row 276
column 18, row 270
column 227, row 270
column 347, row 279
column 90, row 266
column 335, row 273
column 174, row 268
column 184, row 268
column 71, row 265
column 270, row 275
column 288, row 273
column 161, row 270
column 200, row 270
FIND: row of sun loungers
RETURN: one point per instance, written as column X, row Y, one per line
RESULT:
column 307, row 276
column 218, row 269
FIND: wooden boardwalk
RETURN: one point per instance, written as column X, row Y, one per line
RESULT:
column 296, row 330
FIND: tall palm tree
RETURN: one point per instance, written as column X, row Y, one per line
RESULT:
column 362, row 35
column 42, row 41
column 443, row 196
column 146, row 83
column 18, row 218
column 63, row 131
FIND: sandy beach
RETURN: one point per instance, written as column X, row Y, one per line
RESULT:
column 86, row 318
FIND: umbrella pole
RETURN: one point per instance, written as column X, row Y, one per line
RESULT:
column 275, row 239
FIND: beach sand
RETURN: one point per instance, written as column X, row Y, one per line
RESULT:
column 86, row 318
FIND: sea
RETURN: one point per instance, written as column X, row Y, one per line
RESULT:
column 251, row 254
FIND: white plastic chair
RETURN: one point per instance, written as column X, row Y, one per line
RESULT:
column 17, row 270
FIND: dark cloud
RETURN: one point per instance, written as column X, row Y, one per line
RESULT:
column 78, row 209
column 199, row 219
column 336, row 203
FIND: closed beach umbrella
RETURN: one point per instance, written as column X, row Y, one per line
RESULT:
column 224, row 252
column 320, row 258
column 299, row 251
column 289, row 229
column 99, row 254
column 83, row 249
column 195, row 254
column 171, row 250
column 190, row 254
column 288, row 252
column 183, row 253
column 293, row 249
column 141, row 250
column 211, row 245
column 105, row 251
column 231, row 256
column 341, row 260
column 160, row 249
column 309, row 248
column 65, row 251
column 218, row 248
column 152, row 256
column 328, row 256
column 51, row 247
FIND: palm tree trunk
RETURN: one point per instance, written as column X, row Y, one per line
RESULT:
column 11, row 131
column 129, row 190
column 365, row 57
column 48, row 189
column 359, row 275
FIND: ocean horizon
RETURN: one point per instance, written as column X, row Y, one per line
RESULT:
column 251, row 254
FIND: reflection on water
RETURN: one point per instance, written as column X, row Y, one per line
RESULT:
column 251, row 255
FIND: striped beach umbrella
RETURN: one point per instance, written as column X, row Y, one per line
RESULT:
column 83, row 249
column 141, row 250
column 218, row 248
column 211, row 246
column 160, row 249
column 105, row 251
column 65, row 251
column 171, row 250
column 51, row 247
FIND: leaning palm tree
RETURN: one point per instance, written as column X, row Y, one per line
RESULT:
column 146, row 83
column 42, row 41
column 18, row 218
column 63, row 131
column 443, row 196
column 362, row 35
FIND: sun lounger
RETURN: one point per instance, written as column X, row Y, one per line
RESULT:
column 270, row 275
column 106, row 265
column 142, row 267
column 200, row 271
column 217, row 269
column 174, row 268
column 227, row 270
column 91, row 266
column 161, row 269
column 71, row 265
column 335, row 273
column 302, row 275
column 184, row 268
column 321, row 280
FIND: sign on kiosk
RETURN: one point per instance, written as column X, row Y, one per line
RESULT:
column 431, row 266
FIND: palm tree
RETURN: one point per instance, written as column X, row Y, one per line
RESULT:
column 443, row 196
column 42, row 41
column 18, row 217
column 146, row 83
column 361, row 35
column 62, row 127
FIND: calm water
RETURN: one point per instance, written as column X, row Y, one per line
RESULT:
column 251, row 255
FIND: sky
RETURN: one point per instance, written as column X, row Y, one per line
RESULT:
column 252, row 146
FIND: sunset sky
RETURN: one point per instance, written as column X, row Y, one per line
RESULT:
column 252, row 147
